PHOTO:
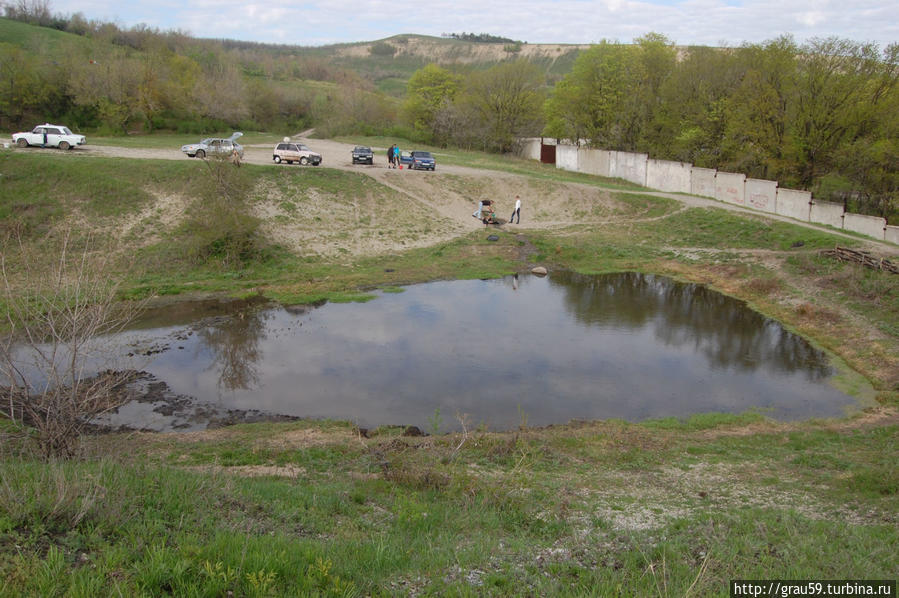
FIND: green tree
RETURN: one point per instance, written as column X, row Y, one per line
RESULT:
column 760, row 109
column 842, row 91
column 507, row 99
column 593, row 101
column 23, row 89
column 429, row 90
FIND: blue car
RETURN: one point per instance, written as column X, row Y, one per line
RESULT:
column 423, row 161
column 406, row 159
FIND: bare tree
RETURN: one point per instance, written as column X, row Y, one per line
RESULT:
column 36, row 12
column 53, row 362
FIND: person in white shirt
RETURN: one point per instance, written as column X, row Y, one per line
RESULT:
column 516, row 211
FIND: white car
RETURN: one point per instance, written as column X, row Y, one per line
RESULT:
column 47, row 135
column 214, row 146
column 290, row 152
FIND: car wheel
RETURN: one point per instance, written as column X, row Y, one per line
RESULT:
column 304, row 161
column 200, row 154
column 21, row 143
column 277, row 159
column 64, row 145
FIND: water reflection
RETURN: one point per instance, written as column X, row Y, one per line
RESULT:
column 719, row 327
column 235, row 347
column 552, row 349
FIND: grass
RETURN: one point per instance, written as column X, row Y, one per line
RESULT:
column 669, row 507
column 600, row 507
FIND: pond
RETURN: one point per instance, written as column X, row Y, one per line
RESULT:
column 518, row 350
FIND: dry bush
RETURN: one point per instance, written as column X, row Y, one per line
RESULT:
column 764, row 286
column 54, row 364
column 819, row 314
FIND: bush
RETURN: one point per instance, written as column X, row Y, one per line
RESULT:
column 220, row 229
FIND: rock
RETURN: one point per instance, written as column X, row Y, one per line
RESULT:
column 538, row 270
column 493, row 238
column 413, row 431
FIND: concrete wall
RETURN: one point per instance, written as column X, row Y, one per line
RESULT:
column 730, row 187
column 891, row 234
column 594, row 161
column 867, row 225
column 761, row 194
column 794, row 204
column 702, row 181
column 628, row 166
column 668, row 176
column 825, row 212
column 566, row 157
column 530, row 148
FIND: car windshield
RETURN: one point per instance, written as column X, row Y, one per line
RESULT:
column 422, row 154
column 363, row 149
column 305, row 149
column 66, row 131
column 207, row 141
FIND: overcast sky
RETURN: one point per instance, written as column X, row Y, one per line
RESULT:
column 685, row 22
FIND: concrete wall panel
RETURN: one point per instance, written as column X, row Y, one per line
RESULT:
column 593, row 161
column 702, row 181
column 794, row 204
column 892, row 234
column 668, row 176
column 867, row 225
column 730, row 187
column 529, row 148
column 824, row 212
column 566, row 157
column 628, row 166
column 761, row 194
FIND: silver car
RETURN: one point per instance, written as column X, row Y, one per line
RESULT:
column 214, row 146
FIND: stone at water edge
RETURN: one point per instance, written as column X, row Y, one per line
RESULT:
column 538, row 270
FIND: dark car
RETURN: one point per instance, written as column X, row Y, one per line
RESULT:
column 363, row 155
column 423, row 161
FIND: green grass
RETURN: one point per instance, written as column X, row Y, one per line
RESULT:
column 609, row 507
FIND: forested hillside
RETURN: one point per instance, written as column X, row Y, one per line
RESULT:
column 819, row 116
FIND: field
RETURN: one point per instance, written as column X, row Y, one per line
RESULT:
column 660, row 508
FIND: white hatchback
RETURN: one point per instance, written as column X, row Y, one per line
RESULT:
column 47, row 135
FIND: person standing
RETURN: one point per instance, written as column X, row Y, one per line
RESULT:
column 516, row 213
column 390, row 156
column 477, row 213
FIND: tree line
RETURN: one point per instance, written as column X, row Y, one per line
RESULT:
column 820, row 116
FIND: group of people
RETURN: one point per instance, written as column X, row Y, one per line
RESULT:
column 487, row 204
column 393, row 156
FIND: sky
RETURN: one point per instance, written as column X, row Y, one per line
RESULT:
column 684, row 22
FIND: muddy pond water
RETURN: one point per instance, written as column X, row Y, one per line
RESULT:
column 518, row 350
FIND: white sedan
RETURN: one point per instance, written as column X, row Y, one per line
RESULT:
column 48, row 135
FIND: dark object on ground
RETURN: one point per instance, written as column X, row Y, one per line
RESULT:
column 413, row 431
column 798, row 244
column 493, row 238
